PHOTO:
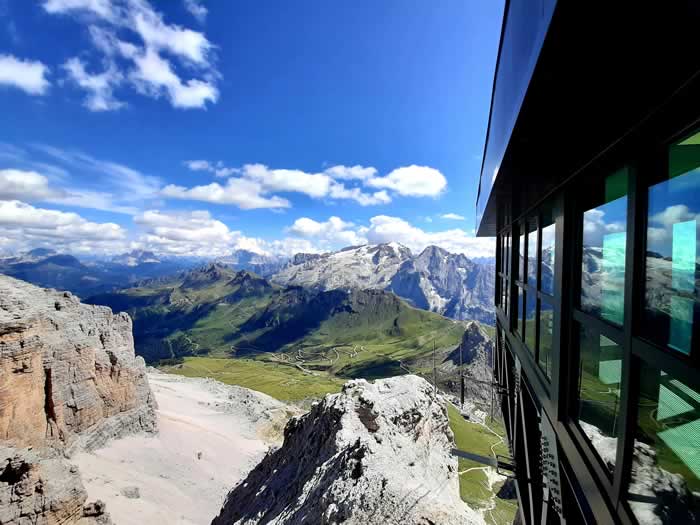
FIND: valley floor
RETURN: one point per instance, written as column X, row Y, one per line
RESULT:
column 204, row 447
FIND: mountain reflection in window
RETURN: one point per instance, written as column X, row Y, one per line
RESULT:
column 665, row 480
column 604, row 251
column 672, row 250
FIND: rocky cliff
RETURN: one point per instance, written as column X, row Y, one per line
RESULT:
column 374, row 453
column 69, row 380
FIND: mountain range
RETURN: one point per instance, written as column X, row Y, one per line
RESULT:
column 217, row 311
column 434, row 280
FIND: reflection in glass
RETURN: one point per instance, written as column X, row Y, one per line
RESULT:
column 672, row 260
column 547, row 262
column 546, row 329
column 530, row 320
column 521, row 254
column 532, row 255
column 604, row 251
column 600, row 373
column 665, row 483
column 504, row 294
column 521, row 324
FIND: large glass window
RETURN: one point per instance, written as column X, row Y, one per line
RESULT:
column 673, row 236
column 547, row 256
column 600, row 371
column 546, row 330
column 521, row 253
column 665, row 481
column 530, row 320
column 532, row 254
column 604, row 250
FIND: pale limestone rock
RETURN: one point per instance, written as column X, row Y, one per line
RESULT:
column 373, row 454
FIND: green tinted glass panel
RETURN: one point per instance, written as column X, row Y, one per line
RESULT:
column 672, row 291
column 598, row 407
column 665, row 483
column 546, row 330
column 613, row 274
column 604, row 250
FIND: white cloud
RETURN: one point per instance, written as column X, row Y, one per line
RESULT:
column 314, row 185
column 24, row 185
column 351, row 172
column 452, row 216
column 217, row 169
column 27, row 75
column 198, row 165
column 191, row 233
column 101, row 8
column 99, row 86
column 152, row 73
column 334, row 232
column 197, row 10
column 384, row 228
column 673, row 214
column 245, row 194
column 339, row 191
column 153, row 76
column 26, row 226
column 412, row 181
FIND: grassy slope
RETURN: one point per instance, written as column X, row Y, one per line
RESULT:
column 473, row 485
column 284, row 382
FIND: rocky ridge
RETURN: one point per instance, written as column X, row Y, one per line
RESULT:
column 372, row 453
column 69, row 380
column 436, row 280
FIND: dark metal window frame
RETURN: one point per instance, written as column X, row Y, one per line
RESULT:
column 605, row 492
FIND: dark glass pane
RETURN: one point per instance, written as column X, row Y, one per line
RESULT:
column 504, row 294
column 530, row 320
column 600, row 372
column 547, row 262
column 604, row 250
column 521, row 297
column 532, row 255
column 546, row 330
column 672, row 305
column 521, row 254
column 665, row 482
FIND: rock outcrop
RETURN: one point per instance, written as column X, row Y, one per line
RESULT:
column 374, row 453
column 69, row 380
column 41, row 488
column 68, row 373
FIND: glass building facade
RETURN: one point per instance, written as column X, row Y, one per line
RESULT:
column 591, row 185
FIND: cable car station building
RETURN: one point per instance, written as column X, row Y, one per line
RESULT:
column 591, row 183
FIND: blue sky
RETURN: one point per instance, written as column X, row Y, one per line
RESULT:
column 193, row 127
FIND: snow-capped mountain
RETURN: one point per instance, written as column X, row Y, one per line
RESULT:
column 367, row 266
column 136, row 257
column 264, row 265
column 435, row 280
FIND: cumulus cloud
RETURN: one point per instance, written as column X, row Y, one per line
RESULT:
column 217, row 168
column 351, row 172
column 150, row 72
column 384, row 228
column 452, row 216
column 673, row 214
column 24, row 185
column 333, row 232
column 26, row 226
column 27, row 75
column 336, row 233
column 245, row 194
column 336, row 182
column 191, row 233
column 412, row 181
column 197, row 10
column 99, row 86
